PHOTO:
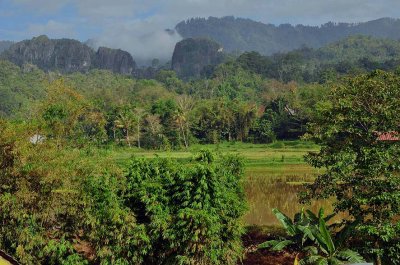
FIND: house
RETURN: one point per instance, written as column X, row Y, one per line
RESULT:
column 37, row 139
column 388, row 136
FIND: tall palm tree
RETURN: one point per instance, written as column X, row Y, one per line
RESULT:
column 125, row 121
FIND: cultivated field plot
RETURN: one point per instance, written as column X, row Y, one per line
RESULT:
column 275, row 173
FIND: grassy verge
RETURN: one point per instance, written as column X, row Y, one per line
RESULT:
column 282, row 157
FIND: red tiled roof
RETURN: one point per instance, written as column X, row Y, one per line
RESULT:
column 388, row 136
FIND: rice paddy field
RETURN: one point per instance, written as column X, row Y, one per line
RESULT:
column 274, row 174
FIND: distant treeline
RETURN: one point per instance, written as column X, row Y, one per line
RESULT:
column 241, row 35
column 352, row 55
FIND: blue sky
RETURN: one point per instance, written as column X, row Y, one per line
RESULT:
column 138, row 25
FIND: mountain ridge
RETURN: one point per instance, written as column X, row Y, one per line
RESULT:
column 241, row 35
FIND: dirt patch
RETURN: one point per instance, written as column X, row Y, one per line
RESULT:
column 264, row 257
column 255, row 256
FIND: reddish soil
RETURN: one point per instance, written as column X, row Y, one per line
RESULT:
column 256, row 256
column 269, row 258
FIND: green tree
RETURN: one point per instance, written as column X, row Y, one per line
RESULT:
column 245, row 115
column 166, row 110
column 215, row 120
column 309, row 234
column 38, row 199
column 262, row 131
column 183, row 118
column 361, row 171
column 68, row 116
column 139, row 114
column 153, row 130
column 126, row 121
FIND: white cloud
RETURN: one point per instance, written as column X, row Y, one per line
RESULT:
column 144, row 39
column 98, row 9
column 53, row 29
column 282, row 11
column 42, row 6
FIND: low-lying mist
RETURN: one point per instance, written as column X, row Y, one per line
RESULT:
column 143, row 44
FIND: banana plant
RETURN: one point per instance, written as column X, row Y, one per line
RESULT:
column 309, row 234
column 325, row 252
column 298, row 230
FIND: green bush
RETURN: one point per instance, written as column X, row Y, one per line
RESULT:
column 191, row 214
column 111, row 228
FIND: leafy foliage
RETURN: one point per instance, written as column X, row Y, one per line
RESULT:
column 361, row 171
column 20, row 88
column 309, row 233
column 192, row 215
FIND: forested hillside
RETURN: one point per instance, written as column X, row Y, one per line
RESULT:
column 233, row 104
column 239, row 35
column 272, row 95
column 353, row 55
column 20, row 88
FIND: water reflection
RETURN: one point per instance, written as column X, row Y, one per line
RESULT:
column 265, row 192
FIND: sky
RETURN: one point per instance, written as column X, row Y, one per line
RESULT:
column 138, row 26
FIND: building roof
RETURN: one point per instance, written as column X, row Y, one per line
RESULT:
column 388, row 136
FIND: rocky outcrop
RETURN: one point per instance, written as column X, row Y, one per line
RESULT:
column 67, row 56
column 4, row 45
column 64, row 55
column 118, row 61
column 191, row 56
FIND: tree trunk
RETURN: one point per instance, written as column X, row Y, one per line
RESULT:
column 183, row 135
column 187, row 134
column 138, row 133
column 127, row 137
column 378, row 257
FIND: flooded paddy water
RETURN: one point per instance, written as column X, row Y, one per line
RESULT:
column 276, row 185
column 267, row 191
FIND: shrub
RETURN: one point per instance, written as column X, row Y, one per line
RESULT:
column 191, row 213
